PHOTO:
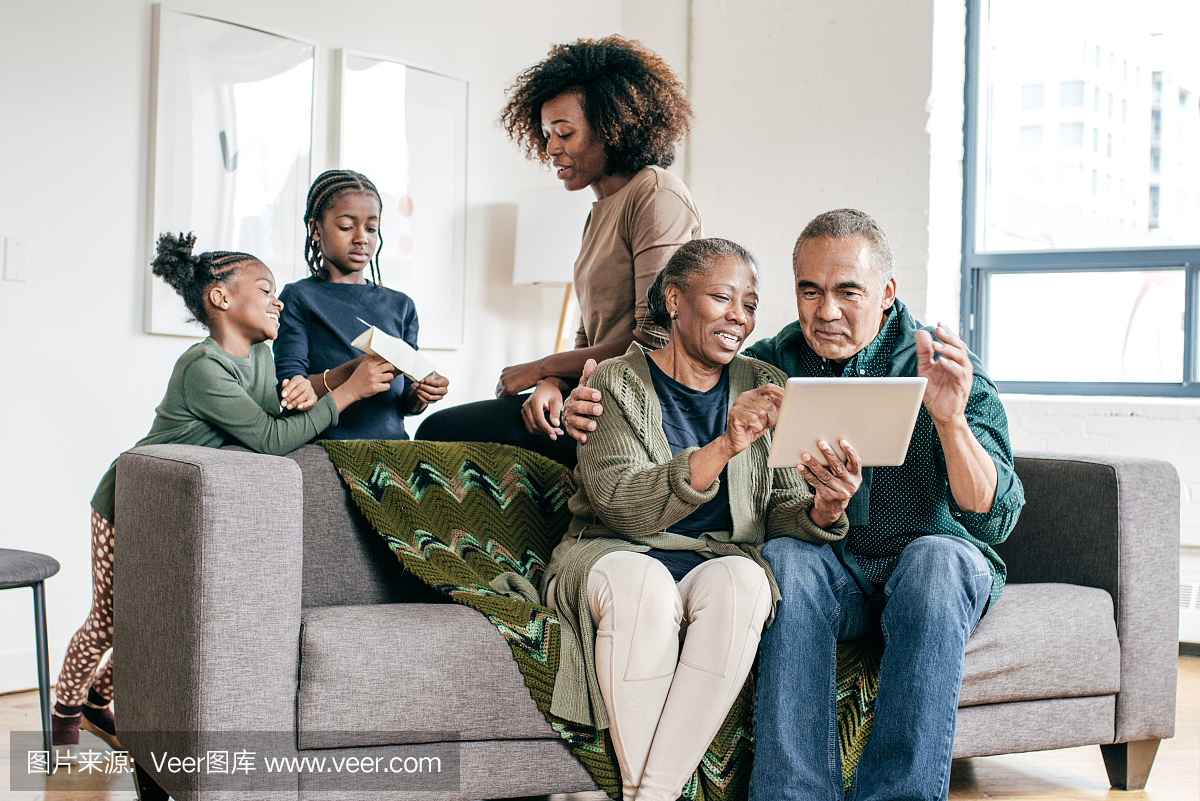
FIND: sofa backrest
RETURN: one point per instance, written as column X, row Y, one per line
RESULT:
column 345, row 561
column 1067, row 531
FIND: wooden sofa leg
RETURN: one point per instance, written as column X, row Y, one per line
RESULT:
column 1128, row 764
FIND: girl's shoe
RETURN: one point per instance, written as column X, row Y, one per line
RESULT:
column 64, row 733
column 99, row 721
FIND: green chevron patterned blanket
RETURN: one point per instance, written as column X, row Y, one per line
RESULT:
column 459, row 514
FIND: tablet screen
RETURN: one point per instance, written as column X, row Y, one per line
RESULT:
column 875, row 415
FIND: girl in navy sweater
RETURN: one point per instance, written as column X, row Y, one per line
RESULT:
column 321, row 313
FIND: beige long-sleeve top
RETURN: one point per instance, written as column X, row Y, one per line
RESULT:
column 629, row 237
column 630, row 490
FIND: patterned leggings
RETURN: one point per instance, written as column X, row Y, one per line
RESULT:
column 81, row 668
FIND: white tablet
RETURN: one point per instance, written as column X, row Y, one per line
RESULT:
column 875, row 415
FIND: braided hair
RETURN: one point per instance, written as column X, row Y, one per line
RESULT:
column 191, row 275
column 693, row 258
column 329, row 185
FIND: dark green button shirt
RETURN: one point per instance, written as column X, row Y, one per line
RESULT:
column 895, row 505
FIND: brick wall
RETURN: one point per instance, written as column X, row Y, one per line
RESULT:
column 1157, row 428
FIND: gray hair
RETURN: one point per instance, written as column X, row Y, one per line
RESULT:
column 846, row 223
column 692, row 258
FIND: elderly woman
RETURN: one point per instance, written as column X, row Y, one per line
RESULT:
column 606, row 115
column 673, row 505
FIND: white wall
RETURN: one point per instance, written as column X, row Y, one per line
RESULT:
column 1156, row 428
column 805, row 107
column 82, row 379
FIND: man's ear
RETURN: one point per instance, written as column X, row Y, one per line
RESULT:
column 889, row 293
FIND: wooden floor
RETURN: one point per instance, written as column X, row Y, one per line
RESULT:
column 1071, row 773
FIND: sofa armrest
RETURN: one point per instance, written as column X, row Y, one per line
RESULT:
column 207, row 582
column 1110, row 522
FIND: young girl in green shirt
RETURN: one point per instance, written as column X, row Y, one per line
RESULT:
column 221, row 391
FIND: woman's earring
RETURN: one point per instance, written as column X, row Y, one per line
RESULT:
column 674, row 314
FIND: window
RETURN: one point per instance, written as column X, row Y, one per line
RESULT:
column 1032, row 97
column 1070, row 135
column 1031, row 137
column 1100, row 262
column 1070, row 175
column 1070, row 94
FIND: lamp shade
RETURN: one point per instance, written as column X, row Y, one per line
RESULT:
column 549, row 231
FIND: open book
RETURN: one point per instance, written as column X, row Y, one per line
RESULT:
column 402, row 355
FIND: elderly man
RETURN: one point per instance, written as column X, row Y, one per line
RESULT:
column 917, row 566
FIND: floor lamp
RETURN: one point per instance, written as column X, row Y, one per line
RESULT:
column 549, row 231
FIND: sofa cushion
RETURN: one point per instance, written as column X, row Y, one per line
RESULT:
column 408, row 673
column 1043, row 641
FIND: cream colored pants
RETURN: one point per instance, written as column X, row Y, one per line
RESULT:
column 666, row 705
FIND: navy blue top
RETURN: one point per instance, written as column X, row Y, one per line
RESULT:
column 693, row 419
column 318, row 322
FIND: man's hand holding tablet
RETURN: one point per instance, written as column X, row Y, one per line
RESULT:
column 834, row 485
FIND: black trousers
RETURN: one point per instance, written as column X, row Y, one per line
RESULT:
column 494, row 421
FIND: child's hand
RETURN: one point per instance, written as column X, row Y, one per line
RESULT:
column 431, row 389
column 372, row 376
column 298, row 393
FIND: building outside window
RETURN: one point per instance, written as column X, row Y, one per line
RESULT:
column 1070, row 135
column 1070, row 94
column 1103, row 262
column 1032, row 97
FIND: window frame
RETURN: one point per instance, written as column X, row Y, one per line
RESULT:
column 977, row 268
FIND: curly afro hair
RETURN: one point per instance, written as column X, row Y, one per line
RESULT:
column 633, row 101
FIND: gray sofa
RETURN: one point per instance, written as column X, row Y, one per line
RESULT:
column 252, row 597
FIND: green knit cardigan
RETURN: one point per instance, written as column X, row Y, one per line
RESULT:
column 630, row 490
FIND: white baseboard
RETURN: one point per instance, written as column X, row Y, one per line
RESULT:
column 18, row 669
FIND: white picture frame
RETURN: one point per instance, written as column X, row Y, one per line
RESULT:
column 231, row 116
column 405, row 128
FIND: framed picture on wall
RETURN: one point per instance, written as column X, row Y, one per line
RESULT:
column 406, row 129
column 231, row 110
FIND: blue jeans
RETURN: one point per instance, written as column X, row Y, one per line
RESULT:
column 929, row 608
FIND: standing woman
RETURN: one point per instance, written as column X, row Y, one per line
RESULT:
column 607, row 115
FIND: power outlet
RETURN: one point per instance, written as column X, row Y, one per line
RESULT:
column 16, row 258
